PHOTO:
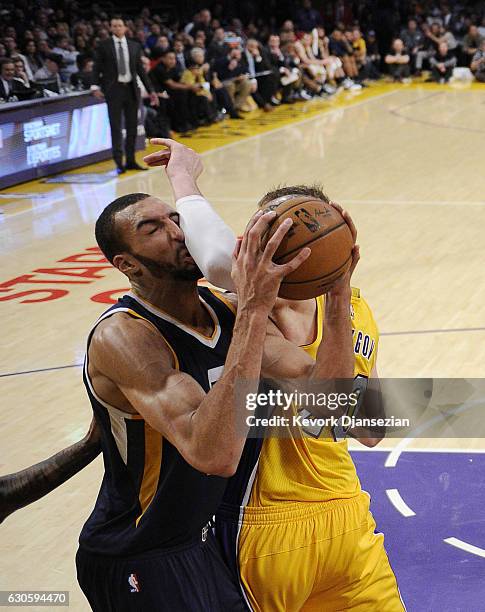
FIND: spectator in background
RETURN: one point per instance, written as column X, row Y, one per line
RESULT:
column 20, row 72
column 50, row 71
column 397, row 61
column 442, row 64
column 157, row 123
column 307, row 18
column 220, row 93
column 478, row 63
column 202, row 24
column 413, row 39
column 179, row 50
column 203, row 105
column 3, row 50
column 373, row 57
column 481, row 27
column 360, row 48
column 341, row 48
column 288, row 78
column 166, row 77
column 84, row 77
column 10, row 43
column 11, row 89
column 471, row 43
column 66, row 50
column 258, row 65
column 231, row 72
column 155, row 33
column 429, row 46
column 218, row 47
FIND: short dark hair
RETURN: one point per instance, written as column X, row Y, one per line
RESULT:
column 107, row 234
column 5, row 60
column 314, row 191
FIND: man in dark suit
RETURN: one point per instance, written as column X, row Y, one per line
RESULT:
column 116, row 67
column 11, row 89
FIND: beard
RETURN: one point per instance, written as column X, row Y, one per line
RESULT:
column 177, row 271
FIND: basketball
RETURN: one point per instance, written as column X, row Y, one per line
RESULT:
column 321, row 227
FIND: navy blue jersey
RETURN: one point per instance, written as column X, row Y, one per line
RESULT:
column 150, row 497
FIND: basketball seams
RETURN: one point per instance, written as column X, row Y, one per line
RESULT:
column 325, row 276
column 314, row 239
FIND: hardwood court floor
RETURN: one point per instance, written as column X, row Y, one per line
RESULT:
column 407, row 163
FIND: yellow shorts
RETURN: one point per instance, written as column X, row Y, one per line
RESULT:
column 316, row 557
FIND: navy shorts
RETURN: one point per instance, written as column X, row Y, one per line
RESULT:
column 190, row 578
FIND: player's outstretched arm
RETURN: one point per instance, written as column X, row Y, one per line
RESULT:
column 29, row 485
column 203, row 427
column 208, row 238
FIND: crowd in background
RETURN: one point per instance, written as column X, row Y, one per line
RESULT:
column 227, row 61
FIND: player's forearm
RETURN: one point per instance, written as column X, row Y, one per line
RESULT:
column 219, row 428
column 208, row 238
column 27, row 486
column 335, row 357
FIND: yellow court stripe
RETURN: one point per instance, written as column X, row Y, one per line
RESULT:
column 255, row 123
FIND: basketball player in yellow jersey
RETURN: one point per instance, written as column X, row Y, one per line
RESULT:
column 294, row 522
column 304, row 535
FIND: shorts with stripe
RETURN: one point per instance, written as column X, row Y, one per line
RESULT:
column 310, row 557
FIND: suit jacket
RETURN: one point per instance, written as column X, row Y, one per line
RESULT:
column 18, row 89
column 105, row 70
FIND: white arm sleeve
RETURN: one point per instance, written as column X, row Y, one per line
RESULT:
column 208, row 239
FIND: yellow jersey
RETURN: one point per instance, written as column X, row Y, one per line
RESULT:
column 308, row 469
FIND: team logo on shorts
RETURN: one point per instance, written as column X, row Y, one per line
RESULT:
column 134, row 584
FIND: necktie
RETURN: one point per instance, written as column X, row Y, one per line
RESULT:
column 121, row 60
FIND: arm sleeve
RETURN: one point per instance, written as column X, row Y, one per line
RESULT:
column 209, row 240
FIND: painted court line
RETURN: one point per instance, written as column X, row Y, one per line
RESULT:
column 470, row 548
column 398, row 503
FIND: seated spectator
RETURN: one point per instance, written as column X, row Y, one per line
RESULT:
column 203, row 104
column 373, row 57
column 84, row 78
column 11, row 89
column 448, row 37
column 478, row 63
column 307, row 87
column 154, row 36
column 289, row 77
column 397, row 61
column 218, row 47
column 179, row 50
column 166, row 77
column 413, row 40
column 223, row 99
column 258, row 65
column 342, row 48
column 430, row 45
column 49, row 74
column 20, row 72
column 471, row 43
column 10, row 43
column 313, row 68
column 157, row 123
column 231, row 72
column 66, row 50
column 360, row 48
column 442, row 64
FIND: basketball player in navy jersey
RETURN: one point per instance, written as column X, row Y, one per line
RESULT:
column 151, row 364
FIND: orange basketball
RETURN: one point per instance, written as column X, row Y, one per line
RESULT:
column 320, row 227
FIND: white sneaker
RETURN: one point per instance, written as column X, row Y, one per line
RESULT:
column 304, row 95
column 328, row 89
